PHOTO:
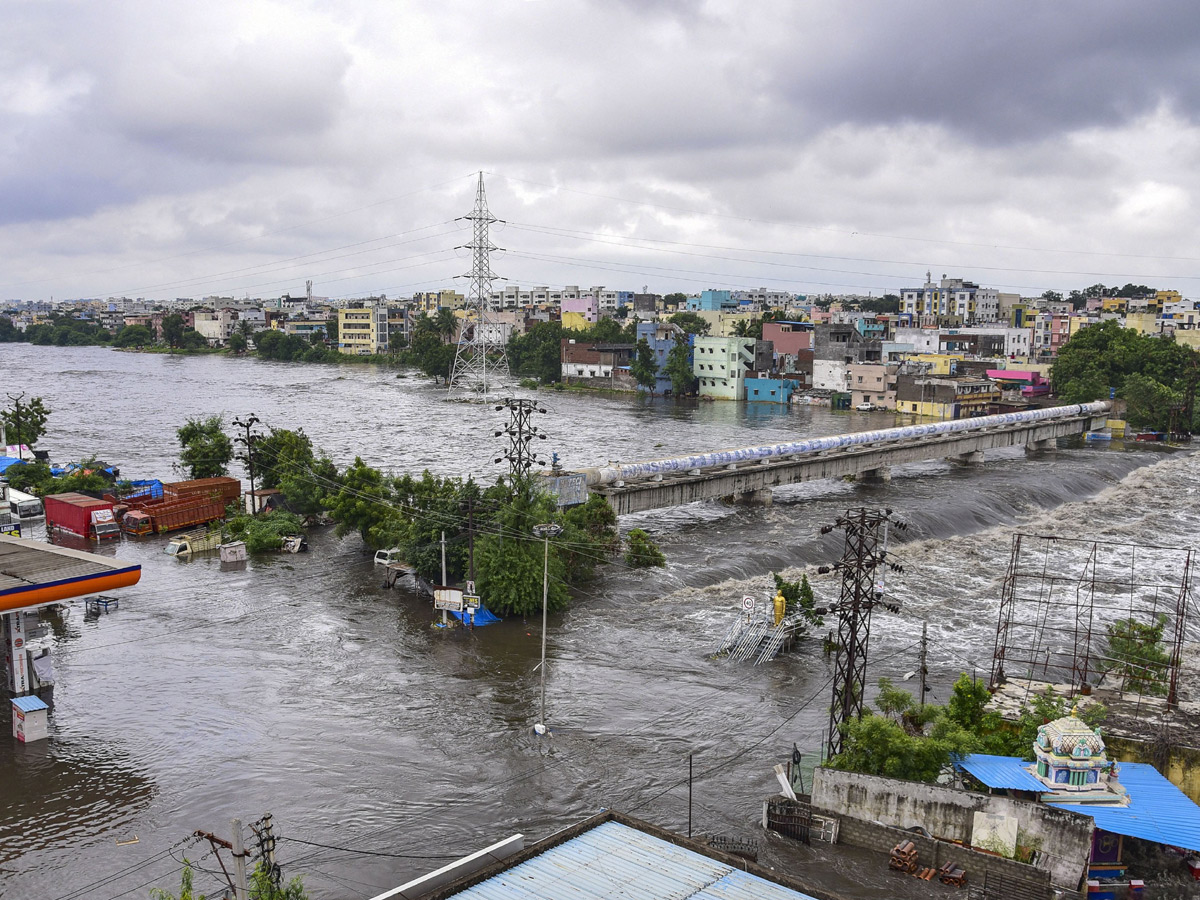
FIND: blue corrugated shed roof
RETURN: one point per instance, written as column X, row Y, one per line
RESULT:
column 1006, row 772
column 29, row 704
column 1157, row 810
column 614, row 860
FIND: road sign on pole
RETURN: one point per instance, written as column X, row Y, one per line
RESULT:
column 747, row 603
column 470, row 601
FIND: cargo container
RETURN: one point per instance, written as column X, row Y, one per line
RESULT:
column 226, row 489
column 81, row 515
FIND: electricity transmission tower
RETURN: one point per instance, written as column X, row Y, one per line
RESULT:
column 521, row 453
column 480, row 359
column 864, row 559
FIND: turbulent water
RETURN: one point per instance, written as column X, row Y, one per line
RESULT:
column 301, row 686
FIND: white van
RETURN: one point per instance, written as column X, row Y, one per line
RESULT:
column 387, row 557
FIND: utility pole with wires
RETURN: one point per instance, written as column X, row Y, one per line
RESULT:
column 521, row 453
column 237, row 881
column 265, row 835
column 480, row 358
column 863, row 564
column 923, row 670
column 248, row 456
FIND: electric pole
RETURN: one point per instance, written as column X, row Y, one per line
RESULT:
column 924, row 651
column 480, row 358
column 16, row 401
column 864, row 559
column 521, row 455
column 248, row 456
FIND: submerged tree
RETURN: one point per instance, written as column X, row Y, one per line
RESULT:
column 1136, row 654
column 207, row 450
column 25, row 421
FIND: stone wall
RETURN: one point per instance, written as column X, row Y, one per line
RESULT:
column 1064, row 837
column 1024, row 880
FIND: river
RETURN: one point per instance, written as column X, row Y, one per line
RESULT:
column 301, row 686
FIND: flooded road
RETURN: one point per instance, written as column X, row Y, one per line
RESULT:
column 299, row 685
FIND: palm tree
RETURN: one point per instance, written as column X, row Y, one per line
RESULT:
column 446, row 323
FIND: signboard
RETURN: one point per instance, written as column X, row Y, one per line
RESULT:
column 747, row 603
column 448, row 599
column 571, row 490
column 470, row 587
column 472, row 601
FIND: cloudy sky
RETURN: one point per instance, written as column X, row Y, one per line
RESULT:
column 166, row 149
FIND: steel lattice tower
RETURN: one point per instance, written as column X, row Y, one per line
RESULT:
column 863, row 560
column 480, row 358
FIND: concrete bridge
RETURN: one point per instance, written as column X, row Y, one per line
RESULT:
column 749, row 473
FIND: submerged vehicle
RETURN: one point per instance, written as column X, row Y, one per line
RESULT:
column 196, row 542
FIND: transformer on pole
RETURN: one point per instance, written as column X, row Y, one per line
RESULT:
column 863, row 561
column 480, row 359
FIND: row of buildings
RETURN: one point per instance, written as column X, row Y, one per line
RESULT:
column 930, row 357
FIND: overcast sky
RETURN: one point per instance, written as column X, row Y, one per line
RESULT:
column 167, row 149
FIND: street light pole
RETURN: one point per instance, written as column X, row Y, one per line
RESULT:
column 545, row 532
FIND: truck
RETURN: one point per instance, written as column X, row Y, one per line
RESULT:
column 181, row 504
column 161, row 516
column 22, row 505
column 81, row 515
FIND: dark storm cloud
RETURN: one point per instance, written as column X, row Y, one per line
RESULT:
column 998, row 72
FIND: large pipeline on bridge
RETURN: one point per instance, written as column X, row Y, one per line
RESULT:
column 618, row 472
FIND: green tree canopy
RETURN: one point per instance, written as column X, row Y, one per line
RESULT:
column 361, row 501
column 644, row 367
column 173, row 328
column 690, row 322
column 509, row 560
column 207, row 450
column 538, row 352
column 134, row 336
column 285, row 460
column 24, row 420
column 679, row 367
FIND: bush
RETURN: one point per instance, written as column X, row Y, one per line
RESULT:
column 265, row 531
column 641, row 552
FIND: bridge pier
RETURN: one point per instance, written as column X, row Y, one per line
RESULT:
column 1035, row 447
column 971, row 458
column 760, row 497
column 879, row 475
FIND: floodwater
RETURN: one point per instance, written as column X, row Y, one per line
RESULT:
column 301, row 686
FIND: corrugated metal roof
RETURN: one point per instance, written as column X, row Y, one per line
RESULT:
column 25, row 564
column 29, row 704
column 1157, row 810
column 614, row 860
column 1006, row 772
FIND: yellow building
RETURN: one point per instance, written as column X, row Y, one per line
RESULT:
column 935, row 363
column 1114, row 305
column 363, row 330
column 1142, row 322
column 575, row 321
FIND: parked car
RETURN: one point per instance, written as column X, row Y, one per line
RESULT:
column 387, row 557
column 865, row 407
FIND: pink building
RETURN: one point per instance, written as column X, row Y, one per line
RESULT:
column 789, row 337
column 588, row 305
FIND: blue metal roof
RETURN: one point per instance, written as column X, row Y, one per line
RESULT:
column 614, row 860
column 1157, row 810
column 1006, row 772
column 29, row 704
